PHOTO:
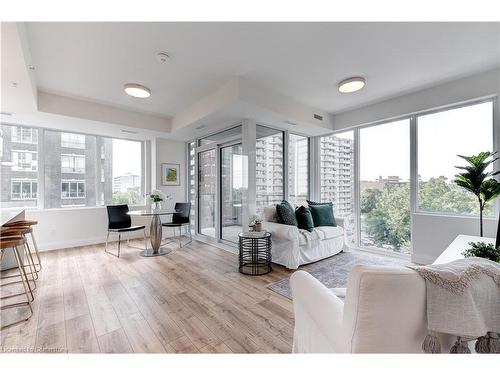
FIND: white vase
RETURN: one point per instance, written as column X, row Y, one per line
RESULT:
column 156, row 206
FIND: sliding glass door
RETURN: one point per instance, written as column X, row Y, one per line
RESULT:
column 222, row 183
column 207, row 190
column 232, row 184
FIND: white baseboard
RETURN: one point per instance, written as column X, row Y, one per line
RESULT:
column 57, row 245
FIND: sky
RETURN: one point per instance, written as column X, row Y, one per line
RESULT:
column 384, row 149
column 126, row 157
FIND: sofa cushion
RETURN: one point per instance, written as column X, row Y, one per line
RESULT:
column 304, row 218
column 322, row 214
column 330, row 232
column 270, row 214
column 286, row 213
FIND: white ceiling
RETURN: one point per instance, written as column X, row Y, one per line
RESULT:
column 302, row 60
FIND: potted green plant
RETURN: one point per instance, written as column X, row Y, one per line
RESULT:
column 478, row 181
column 483, row 250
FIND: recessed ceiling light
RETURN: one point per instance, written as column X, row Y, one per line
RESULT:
column 137, row 91
column 351, row 84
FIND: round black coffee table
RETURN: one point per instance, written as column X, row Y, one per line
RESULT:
column 255, row 253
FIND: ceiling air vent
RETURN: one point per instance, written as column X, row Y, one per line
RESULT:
column 318, row 117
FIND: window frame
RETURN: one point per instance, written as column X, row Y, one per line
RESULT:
column 286, row 151
column 77, row 182
column 413, row 162
column 15, row 139
column 285, row 140
column 146, row 167
column 18, row 169
column 72, row 143
column 73, row 158
column 495, row 146
column 23, row 181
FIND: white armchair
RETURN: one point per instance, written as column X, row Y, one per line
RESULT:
column 384, row 312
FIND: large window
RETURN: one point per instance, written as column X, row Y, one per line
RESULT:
column 385, row 186
column 72, row 163
column 77, row 169
column 268, row 167
column 126, row 170
column 441, row 137
column 298, row 169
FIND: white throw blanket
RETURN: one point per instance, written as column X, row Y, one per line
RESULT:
column 463, row 299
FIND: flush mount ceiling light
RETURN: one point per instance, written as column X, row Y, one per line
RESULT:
column 352, row 84
column 136, row 90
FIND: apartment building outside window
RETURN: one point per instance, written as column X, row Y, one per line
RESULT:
column 24, row 160
column 337, row 172
column 72, row 140
column 298, row 169
column 72, row 163
column 21, row 134
column 269, row 167
column 24, row 189
column 72, row 189
column 77, row 170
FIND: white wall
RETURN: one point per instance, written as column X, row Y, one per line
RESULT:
column 433, row 233
column 66, row 227
column 168, row 151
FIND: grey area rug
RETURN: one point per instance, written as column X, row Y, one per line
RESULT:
column 333, row 271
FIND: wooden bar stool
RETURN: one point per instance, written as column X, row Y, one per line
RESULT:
column 16, row 232
column 28, row 223
column 13, row 243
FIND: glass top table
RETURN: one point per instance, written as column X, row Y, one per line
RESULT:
column 155, row 231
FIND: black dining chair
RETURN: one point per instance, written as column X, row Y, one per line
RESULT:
column 180, row 219
column 119, row 221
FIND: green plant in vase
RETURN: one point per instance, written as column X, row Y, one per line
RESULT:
column 476, row 180
column 156, row 197
column 483, row 250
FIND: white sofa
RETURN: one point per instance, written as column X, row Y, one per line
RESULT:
column 384, row 312
column 293, row 247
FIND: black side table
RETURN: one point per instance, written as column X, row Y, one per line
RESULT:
column 255, row 253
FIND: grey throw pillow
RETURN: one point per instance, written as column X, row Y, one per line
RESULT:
column 286, row 214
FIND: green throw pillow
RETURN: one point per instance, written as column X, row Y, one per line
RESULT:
column 304, row 218
column 286, row 214
column 322, row 214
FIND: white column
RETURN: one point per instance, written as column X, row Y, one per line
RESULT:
column 249, row 136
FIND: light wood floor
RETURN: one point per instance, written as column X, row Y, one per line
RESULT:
column 189, row 301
